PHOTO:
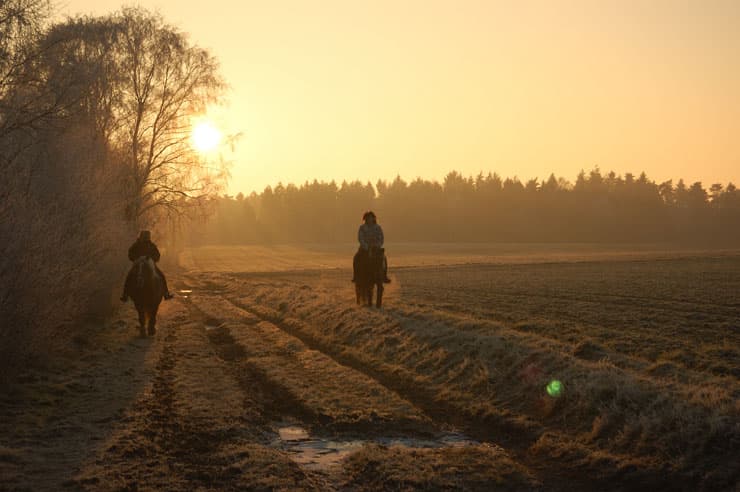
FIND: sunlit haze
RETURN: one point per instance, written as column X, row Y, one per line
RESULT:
column 367, row 90
column 206, row 136
column 370, row 245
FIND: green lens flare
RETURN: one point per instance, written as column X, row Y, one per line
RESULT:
column 554, row 388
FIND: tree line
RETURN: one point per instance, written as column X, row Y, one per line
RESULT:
column 596, row 207
column 95, row 117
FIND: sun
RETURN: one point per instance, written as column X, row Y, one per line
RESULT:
column 206, row 136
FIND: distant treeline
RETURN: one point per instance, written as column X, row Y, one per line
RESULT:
column 596, row 208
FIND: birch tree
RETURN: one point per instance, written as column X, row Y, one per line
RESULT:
column 145, row 84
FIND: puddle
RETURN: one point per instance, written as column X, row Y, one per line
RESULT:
column 211, row 324
column 317, row 453
column 293, row 433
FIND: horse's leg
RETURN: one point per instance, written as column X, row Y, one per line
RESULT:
column 153, row 319
column 370, row 295
column 142, row 321
column 379, row 302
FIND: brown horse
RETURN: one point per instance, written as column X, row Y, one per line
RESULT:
column 370, row 275
column 146, row 293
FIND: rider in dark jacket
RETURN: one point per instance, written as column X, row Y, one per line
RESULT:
column 144, row 246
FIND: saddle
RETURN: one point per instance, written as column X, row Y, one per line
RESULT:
column 149, row 263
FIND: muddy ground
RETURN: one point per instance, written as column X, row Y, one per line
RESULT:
column 197, row 408
column 261, row 382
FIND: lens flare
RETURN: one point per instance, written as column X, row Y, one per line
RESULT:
column 554, row 388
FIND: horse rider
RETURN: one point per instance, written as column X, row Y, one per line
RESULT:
column 143, row 246
column 370, row 235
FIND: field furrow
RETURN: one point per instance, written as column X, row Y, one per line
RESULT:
column 192, row 428
column 316, row 390
column 333, row 395
column 619, row 417
column 621, row 375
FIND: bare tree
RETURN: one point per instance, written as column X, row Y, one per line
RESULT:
column 22, row 103
column 95, row 117
column 165, row 82
column 140, row 84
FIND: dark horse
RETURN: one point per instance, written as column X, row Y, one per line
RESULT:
column 370, row 274
column 147, row 293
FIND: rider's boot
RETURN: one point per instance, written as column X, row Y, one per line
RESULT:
column 167, row 294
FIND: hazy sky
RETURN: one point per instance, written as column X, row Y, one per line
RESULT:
column 344, row 89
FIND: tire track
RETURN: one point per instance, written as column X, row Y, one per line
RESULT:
column 512, row 432
column 193, row 428
column 307, row 384
column 253, row 354
column 424, row 399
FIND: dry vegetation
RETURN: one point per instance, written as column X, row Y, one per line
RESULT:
column 442, row 389
column 465, row 468
column 322, row 256
column 358, row 402
column 94, row 145
column 647, row 352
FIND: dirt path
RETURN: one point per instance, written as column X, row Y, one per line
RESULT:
column 193, row 427
column 224, row 399
column 157, row 413
column 54, row 418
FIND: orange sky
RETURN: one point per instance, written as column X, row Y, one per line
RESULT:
column 340, row 89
